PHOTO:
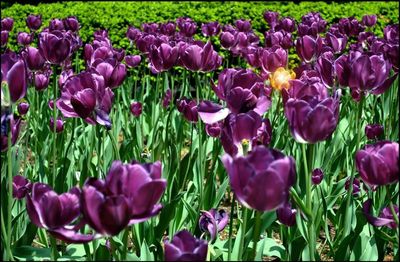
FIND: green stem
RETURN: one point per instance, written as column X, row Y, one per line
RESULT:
column 231, row 227
column 54, row 252
column 54, row 127
column 243, row 232
column 395, row 217
column 310, row 223
column 190, row 154
column 114, row 144
column 256, row 234
column 10, row 185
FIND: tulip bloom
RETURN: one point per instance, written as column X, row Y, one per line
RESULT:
column 373, row 131
column 133, row 33
column 24, row 38
column 71, row 23
column 317, row 176
column 114, row 73
column 59, row 125
column 385, row 218
column 128, row 195
column 33, row 58
column 185, row 247
column 4, row 38
column 21, row 187
column 272, row 18
column 308, row 47
column 54, row 46
column 163, row 58
column 264, row 134
column 23, row 108
column 188, row 107
column 280, row 38
column 356, row 186
column 133, row 60
column 187, row 26
column 7, row 24
column 213, row 130
column 213, row 221
column 273, row 58
column 280, row 78
column 377, row 163
column 86, row 96
column 337, row 41
column 13, row 70
column 211, row 29
column 262, row 179
column 41, row 81
column 136, row 108
column 197, row 58
column 34, row 22
column 286, row 215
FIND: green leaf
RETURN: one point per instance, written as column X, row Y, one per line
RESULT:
column 26, row 253
column 364, row 248
column 145, row 254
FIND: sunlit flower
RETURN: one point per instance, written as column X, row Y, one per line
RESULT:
column 280, row 78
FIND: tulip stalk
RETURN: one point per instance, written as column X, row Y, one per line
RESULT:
column 10, row 187
column 395, row 217
column 243, row 231
column 114, row 144
column 256, row 233
column 231, row 227
column 54, row 127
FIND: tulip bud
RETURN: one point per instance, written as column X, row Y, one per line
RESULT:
column 4, row 38
column 24, row 38
column 286, row 215
column 71, row 23
column 21, row 187
column 133, row 60
column 271, row 18
column 213, row 130
column 56, row 24
column 59, row 125
column 34, row 22
column 317, row 176
column 356, row 186
column 373, row 131
column 7, row 24
column 185, row 247
column 23, row 108
column 136, row 108
column 368, row 20
column 51, row 104
column 41, row 81
column 227, row 39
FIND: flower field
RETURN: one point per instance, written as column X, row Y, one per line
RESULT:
column 191, row 139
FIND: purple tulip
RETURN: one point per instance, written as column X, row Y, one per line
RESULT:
column 280, row 38
column 287, row 24
column 86, row 96
column 14, row 71
column 21, row 187
column 373, row 131
column 263, row 174
column 271, row 18
column 253, row 56
column 41, row 81
column 114, row 73
column 197, row 58
column 188, row 107
column 167, row 98
column 54, row 46
column 128, row 195
column 4, row 38
column 311, row 24
column 286, row 215
column 243, row 25
column 7, row 24
column 385, row 218
column 71, row 23
column 325, row 67
column 264, row 134
column 337, row 41
column 136, row 109
column 187, row 26
column 133, row 33
column 368, row 20
column 163, row 58
column 210, row 112
column 118, row 54
column 59, row 125
column 133, row 60
column 56, row 24
column 377, row 163
column 8, row 120
column 308, row 47
column 317, row 176
column 144, row 42
column 168, row 28
column 227, row 40
column 391, row 34
column 33, row 58
column 273, row 58
column 23, row 108
column 213, row 130
column 211, row 29
column 312, row 119
column 24, row 38
column 356, row 186
column 34, row 22
column 350, row 26
column 56, row 213
column 213, row 221
column 185, row 247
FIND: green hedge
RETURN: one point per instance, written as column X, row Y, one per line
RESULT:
column 116, row 16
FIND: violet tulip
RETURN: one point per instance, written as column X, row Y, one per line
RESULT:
column 86, row 96
column 213, row 130
column 7, row 24
column 133, row 33
column 197, row 58
column 263, row 174
column 71, row 23
column 377, row 163
column 272, row 18
column 287, row 215
column 163, row 58
column 308, row 47
column 356, row 186
column 23, row 108
column 34, row 22
column 136, row 108
column 385, row 217
column 41, row 81
column 33, row 58
column 243, row 25
column 168, row 28
column 373, row 131
column 211, row 29
column 24, row 38
column 9, row 121
column 14, row 71
column 317, row 176
column 133, row 60
column 113, row 72
column 21, row 187
column 213, row 221
column 368, row 20
column 185, row 247
column 188, row 107
column 4, row 38
column 280, row 38
column 273, row 58
column 187, row 26
column 264, row 134
column 54, row 46
column 337, row 41
column 56, row 213
column 59, row 125
column 227, row 40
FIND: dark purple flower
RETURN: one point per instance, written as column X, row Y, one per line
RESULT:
column 188, row 107
column 213, row 221
column 185, row 247
column 41, row 81
column 21, row 187
column 368, row 20
column 311, row 119
column 311, row 24
column 114, row 73
column 54, row 46
column 65, row 74
column 23, row 108
column 280, row 38
column 325, row 67
column 56, row 213
column 136, row 108
column 288, row 24
column 243, row 25
column 350, row 26
column 71, row 23
column 337, row 41
column 210, row 112
column 373, row 131
column 133, row 60
column 8, row 120
column 385, row 218
column 213, row 130
column 264, row 134
column 7, row 24
column 227, row 40
column 4, row 38
column 14, row 72
column 391, row 34
column 163, row 58
column 133, row 33
column 317, row 176
column 129, row 195
column 211, row 29
column 377, row 163
column 286, row 215
column 24, row 38
column 263, row 174
column 33, row 58
column 144, row 42
column 56, row 24
column 167, row 98
column 59, row 125
column 272, row 18
column 197, row 58
column 308, row 47
column 168, row 28
column 86, row 96
column 34, row 22
column 356, row 186
column 273, row 58
column 187, row 26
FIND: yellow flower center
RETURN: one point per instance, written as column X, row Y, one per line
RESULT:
column 280, row 78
